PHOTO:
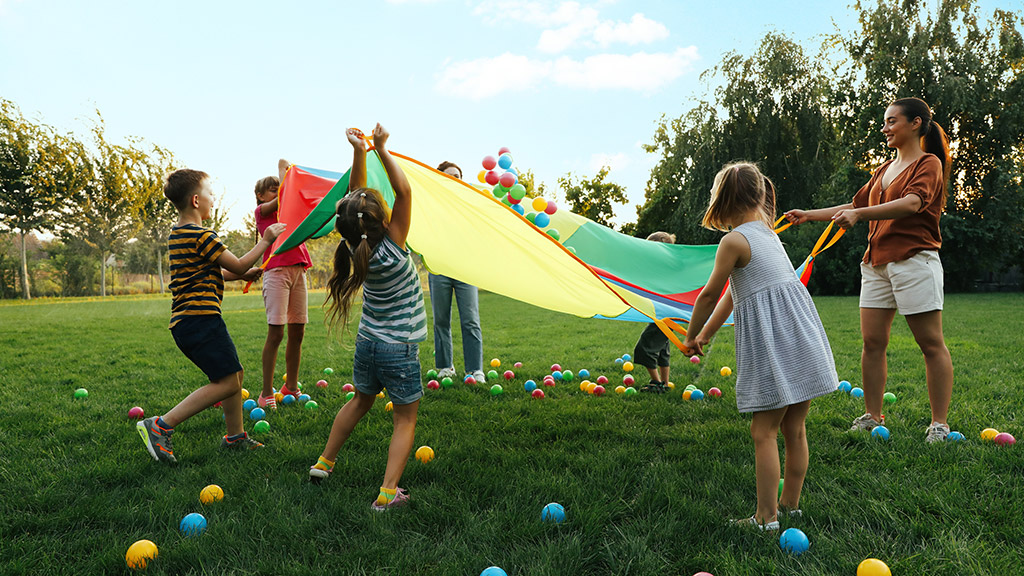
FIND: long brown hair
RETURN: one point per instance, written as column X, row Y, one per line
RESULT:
column 362, row 216
column 933, row 137
column 739, row 187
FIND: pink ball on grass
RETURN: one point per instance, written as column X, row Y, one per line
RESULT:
column 136, row 413
column 321, row 384
column 1005, row 439
column 509, row 375
column 433, row 385
column 715, row 392
column 602, row 380
column 348, row 388
column 556, row 368
column 628, row 380
column 695, row 359
column 598, row 390
column 538, row 393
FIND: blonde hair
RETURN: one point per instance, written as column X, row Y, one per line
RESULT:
column 662, row 237
column 739, row 187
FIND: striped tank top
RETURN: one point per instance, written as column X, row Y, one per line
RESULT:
column 197, row 284
column 393, row 309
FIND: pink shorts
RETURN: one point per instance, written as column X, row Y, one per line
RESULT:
column 284, row 295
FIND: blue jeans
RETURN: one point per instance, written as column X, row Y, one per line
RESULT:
column 380, row 365
column 468, row 300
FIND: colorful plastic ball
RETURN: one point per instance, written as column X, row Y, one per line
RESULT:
column 493, row 571
column 136, row 413
column 446, row 382
column 289, row 399
column 696, row 395
column 531, row 217
column 495, row 362
column 551, row 208
column 954, row 436
column 348, row 387
column 192, row 524
column 690, row 387
column 556, row 367
column 529, row 385
column 556, row 374
column 782, row 484
column 583, row 385
column 715, row 392
column 518, row 191
column 889, row 398
column 584, row 373
column 553, row 512
column 538, row 393
column 725, row 371
column 620, row 389
column 508, row 375
column 517, row 365
column 630, row 391
column 857, row 392
column 303, row 398
column 703, row 574
column 505, row 161
column 481, row 176
column 571, row 249
column 489, row 162
column 619, row 361
column 794, row 541
column 695, row 359
column 380, row 394
column 469, row 380
column 591, row 387
column 424, row 454
column 328, row 371
column 431, row 374
column 312, row 405
column 496, row 390
column 257, row 414
column 602, row 379
column 245, row 394
column 541, row 220
column 567, row 375
column 433, row 385
column 284, row 377
column 503, row 150
column 598, row 390
column 549, row 382
column 989, row 434
column 873, row 567
column 491, row 177
column 626, row 358
column 492, row 374
column 880, row 432
column 278, row 397
column 628, row 380
column 627, row 366
column 508, row 180
column 519, row 209
column 389, row 406
column 539, row 204
column 262, row 427
column 845, row 386
column 211, row 494
column 321, row 383
column 349, row 396
column 554, row 233
column 81, row 393
column 139, row 554
column 687, row 394
column 1004, row 439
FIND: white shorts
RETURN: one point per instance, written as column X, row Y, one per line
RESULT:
column 911, row 286
column 284, row 295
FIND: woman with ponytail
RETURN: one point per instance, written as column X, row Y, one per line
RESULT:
column 901, row 270
column 372, row 256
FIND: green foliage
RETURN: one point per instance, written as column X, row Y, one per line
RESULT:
column 592, row 198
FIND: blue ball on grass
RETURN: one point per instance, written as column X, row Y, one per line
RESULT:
column 857, row 393
column 880, row 432
column 193, row 524
column 553, row 512
column 257, row 414
column 794, row 541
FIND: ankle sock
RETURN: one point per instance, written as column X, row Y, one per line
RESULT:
column 386, row 496
column 160, row 422
column 324, row 464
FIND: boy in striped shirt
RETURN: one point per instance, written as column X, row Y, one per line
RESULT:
column 197, row 285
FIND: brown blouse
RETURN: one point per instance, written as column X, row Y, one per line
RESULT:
column 901, row 238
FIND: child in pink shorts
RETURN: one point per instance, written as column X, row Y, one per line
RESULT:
column 284, row 295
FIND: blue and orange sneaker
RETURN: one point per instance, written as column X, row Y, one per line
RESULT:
column 244, row 442
column 157, row 439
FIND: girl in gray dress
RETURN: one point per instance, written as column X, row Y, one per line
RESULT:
column 783, row 358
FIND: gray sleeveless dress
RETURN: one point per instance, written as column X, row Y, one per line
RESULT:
column 782, row 353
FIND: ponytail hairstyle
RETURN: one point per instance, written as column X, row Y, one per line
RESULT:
column 362, row 218
column 933, row 137
column 739, row 187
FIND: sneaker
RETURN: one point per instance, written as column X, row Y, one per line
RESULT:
column 796, row 513
column 288, row 392
column 479, row 377
column 267, row 402
column 316, row 474
column 654, row 387
column 937, row 432
column 865, row 422
column 446, row 373
column 772, row 526
column 401, row 499
column 157, row 439
column 243, row 443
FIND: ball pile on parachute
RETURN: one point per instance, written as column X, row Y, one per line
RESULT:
column 499, row 173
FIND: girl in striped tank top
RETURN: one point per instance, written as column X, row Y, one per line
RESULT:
column 783, row 358
column 372, row 256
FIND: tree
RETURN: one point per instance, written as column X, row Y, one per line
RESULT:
column 593, row 198
column 529, row 181
column 157, row 214
column 41, row 172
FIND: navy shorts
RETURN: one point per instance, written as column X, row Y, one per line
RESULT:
column 396, row 367
column 652, row 349
column 204, row 340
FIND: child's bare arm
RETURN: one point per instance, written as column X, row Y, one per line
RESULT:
column 282, row 169
column 249, row 276
column 268, row 208
column 401, row 212
column 732, row 247
column 241, row 266
column 718, row 317
column 357, row 178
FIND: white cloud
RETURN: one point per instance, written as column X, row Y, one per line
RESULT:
column 484, row 77
column 639, row 30
column 614, row 162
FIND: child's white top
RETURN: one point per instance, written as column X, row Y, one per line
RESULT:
column 393, row 309
column 782, row 353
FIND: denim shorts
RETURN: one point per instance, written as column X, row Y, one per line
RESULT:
column 204, row 340
column 383, row 365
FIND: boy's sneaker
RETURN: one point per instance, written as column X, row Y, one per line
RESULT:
column 866, row 422
column 479, row 377
column 267, row 402
column 772, row 526
column 937, row 433
column 654, row 387
column 243, row 443
column 447, row 373
column 401, row 499
column 157, row 439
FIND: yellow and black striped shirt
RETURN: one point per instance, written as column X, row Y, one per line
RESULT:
column 197, row 283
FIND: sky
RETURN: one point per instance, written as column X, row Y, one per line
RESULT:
column 230, row 87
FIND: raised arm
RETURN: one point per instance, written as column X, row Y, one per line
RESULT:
column 357, row 179
column 401, row 212
column 240, row 266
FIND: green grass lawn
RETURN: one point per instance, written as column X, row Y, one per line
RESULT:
column 648, row 482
